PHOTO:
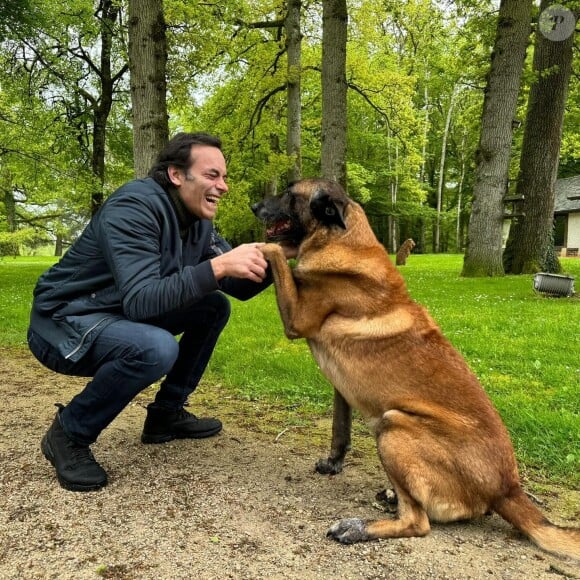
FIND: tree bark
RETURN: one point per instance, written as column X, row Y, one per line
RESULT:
column 108, row 15
column 294, row 54
column 392, row 221
column 334, row 34
column 483, row 256
column 58, row 246
column 9, row 248
column 148, row 66
column 530, row 246
column 458, row 243
column 441, row 182
column 333, row 129
column 425, row 131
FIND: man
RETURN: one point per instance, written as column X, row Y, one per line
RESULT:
column 148, row 266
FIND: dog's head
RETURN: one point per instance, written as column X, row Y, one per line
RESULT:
column 304, row 207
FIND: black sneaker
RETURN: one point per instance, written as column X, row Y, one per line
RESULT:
column 76, row 468
column 162, row 425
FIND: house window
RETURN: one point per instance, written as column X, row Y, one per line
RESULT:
column 560, row 223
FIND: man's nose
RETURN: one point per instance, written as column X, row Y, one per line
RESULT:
column 222, row 186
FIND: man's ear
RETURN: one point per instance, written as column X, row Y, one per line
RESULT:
column 327, row 210
column 175, row 175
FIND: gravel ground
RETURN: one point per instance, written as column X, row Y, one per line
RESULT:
column 246, row 504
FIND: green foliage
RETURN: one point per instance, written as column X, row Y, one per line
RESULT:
column 25, row 236
column 19, row 16
column 246, row 103
column 570, row 149
column 236, row 218
column 359, row 178
column 49, row 88
column 228, row 75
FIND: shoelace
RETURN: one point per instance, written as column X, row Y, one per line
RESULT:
column 81, row 454
column 183, row 414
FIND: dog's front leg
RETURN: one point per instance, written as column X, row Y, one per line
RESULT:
column 341, row 427
column 286, row 291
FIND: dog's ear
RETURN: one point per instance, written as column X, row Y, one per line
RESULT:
column 327, row 210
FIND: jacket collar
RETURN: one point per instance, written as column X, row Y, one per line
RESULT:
column 184, row 217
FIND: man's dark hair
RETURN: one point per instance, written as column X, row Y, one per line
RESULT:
column 177, row 153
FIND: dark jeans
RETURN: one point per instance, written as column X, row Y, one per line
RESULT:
column 128, row 356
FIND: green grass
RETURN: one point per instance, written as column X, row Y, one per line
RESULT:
column 17, row 279
column 524, row 348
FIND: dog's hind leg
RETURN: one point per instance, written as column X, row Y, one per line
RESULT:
column 412, row 521
column 341, row 427
column 423, row 473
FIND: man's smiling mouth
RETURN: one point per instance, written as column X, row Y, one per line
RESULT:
column 212, row 199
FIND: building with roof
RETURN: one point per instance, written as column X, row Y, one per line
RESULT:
column 567, row 215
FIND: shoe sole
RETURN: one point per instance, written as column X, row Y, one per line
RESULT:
column 68, row 485
column 166, row 437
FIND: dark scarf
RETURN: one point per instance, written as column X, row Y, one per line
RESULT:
column 184, row 217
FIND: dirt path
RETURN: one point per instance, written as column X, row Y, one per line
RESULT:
column 245, row 504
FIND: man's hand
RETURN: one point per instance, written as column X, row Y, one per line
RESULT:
column 245, row 261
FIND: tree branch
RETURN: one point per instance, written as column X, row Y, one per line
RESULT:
column 260, row 107
column 264, row 24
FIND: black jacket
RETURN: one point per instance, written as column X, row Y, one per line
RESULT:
column 129, row 263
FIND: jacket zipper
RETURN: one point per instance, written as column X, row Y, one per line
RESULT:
column 84, row 336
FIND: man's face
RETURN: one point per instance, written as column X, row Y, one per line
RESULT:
column 203, row 185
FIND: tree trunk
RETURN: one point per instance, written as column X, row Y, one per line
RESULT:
column 334, row 30
column 9, row 248
column 271, row 186
column 333, row 153
column 530, row 246
column 425, row 131
column 483, row 256
column 458, row 243
column 108, row 14
column 58, row 246
column 393, row 221
column 442, row 167
column 148, row 66
column 294, row 51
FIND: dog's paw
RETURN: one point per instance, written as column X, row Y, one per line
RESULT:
column 349, row 531
column 329, row 466
column 271, row 250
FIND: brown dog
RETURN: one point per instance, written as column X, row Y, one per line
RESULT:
column 404, row 251
column 443, row 445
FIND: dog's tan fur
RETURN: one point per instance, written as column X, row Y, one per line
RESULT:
column 404, row 251
column 443, row 445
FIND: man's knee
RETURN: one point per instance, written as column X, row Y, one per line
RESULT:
column 208, row 315
column 221, row 306
column 157, row 349
column 213, row 312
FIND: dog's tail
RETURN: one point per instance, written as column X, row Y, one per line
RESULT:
column 518, row 510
